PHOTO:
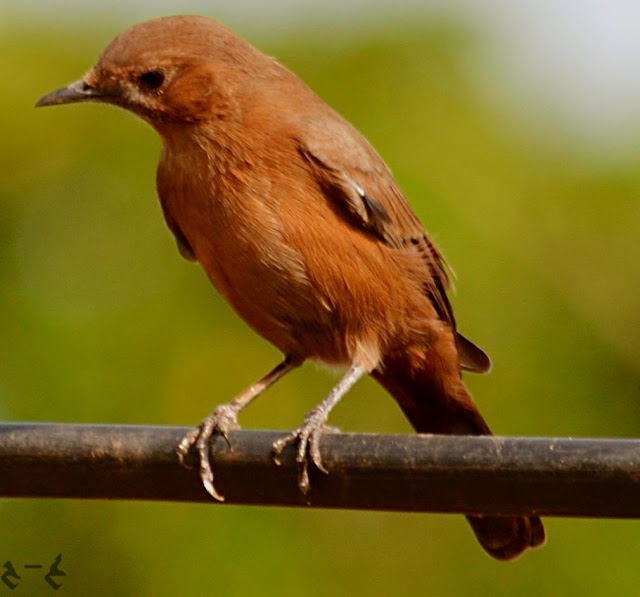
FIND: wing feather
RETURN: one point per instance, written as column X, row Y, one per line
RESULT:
column 354, row 176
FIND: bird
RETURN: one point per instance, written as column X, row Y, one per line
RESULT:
column 301, row 226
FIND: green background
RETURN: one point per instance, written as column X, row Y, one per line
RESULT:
column 101, row 321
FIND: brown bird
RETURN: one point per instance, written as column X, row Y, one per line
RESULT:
column 300, row 225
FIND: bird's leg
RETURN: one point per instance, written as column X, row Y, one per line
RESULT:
column 308, row 436
column 225, row 419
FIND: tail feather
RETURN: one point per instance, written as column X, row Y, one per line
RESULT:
column 507, row 537
column 472, row 357
column 443, row 406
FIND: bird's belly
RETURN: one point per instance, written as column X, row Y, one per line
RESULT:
column 336, row 297
column 269, row 287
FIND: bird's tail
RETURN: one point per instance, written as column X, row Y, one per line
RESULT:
column 443, row 406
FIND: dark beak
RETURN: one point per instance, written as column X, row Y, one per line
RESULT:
column 80, row 91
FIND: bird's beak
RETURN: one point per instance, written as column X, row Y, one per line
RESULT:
column 80, row 91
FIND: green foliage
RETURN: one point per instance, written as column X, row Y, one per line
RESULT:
column 101, row 321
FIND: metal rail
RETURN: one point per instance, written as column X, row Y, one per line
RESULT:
column 479, row 475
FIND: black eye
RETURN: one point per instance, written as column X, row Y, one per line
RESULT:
column 152, row 79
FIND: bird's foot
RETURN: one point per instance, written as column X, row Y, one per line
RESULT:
column 222, row 420
column 307, row 438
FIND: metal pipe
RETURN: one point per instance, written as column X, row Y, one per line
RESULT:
column 471, row 475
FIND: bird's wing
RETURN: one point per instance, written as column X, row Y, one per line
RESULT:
column 353, row 175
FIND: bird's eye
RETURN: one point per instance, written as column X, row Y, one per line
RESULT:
column 152, row 79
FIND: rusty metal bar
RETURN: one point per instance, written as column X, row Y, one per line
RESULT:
column 482, row 475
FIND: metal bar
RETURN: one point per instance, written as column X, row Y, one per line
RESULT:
column 472, row 475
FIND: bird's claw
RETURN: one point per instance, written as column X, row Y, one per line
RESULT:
column 222, row 421
column 186, row 443
column 307, row 439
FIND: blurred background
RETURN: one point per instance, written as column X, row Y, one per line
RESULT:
column 513, row 128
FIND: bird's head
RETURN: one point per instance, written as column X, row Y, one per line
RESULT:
column 168, row 70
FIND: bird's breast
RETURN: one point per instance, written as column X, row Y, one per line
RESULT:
column 238, row 230
column 293, row 268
